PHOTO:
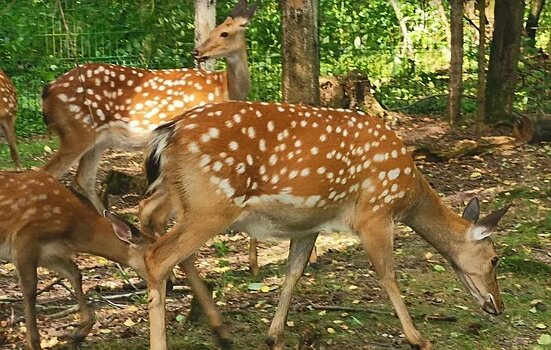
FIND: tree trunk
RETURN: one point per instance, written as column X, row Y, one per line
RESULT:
column 504, row 55
column 456, row 62
column 407, row 46
column 481, row 101
column 205, row 21
column 533, row 19
column 444, row 18
column 300, row 51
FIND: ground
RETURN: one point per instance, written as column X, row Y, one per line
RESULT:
column 338, row 303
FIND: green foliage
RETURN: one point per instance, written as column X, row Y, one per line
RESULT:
column 39, row 40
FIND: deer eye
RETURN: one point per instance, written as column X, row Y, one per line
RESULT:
column 495, row 261
column 224, row 34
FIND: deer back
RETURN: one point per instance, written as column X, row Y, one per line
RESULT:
column 259, row 154
column 93, row 97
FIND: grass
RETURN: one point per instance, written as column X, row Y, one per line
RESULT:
column 31, row 151
column 344, row 278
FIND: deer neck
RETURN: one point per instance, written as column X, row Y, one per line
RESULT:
column 238, row 77
column 436, row 222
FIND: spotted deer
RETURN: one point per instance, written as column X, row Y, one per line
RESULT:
column 293, row 171
column 42, row 223
column 8, row 112
column 95, row 106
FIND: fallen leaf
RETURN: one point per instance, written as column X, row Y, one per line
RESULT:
column 330, row 330
column 255, row 286
column 129, row 322
column 541, row 326
column 438, row 268
column 544, row 339
column 476, row 175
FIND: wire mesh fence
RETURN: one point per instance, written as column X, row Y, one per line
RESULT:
column 155, row 34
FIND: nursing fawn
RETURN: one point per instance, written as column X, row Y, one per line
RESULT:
column 42, row 223
column 292, row 171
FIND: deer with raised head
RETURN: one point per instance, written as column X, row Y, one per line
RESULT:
column 8, row 113
column 42, row 223
column 96, row 106
column 292, row 171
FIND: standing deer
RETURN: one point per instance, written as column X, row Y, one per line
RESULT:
column 8, row 112
column 292, row 171
column 42, row 223
column 96, row 106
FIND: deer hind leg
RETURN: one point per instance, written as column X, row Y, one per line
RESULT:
column 67, row 268
column 180, row 243
column 26, row 264
column 87, row 170
column 70, row 151
column 253, row 256
column 203, row 295
column 377, row 239
column 9, row 131
column 299, row 253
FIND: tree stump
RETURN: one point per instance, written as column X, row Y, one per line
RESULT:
column 351, row 91
column 531, row 130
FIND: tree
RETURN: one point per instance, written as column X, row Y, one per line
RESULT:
column 533, row 19
column 205, row 21
column 481, row 101
column 456, row 62
column 504, row 55
column 300, row 51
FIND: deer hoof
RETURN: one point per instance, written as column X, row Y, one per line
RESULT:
column 423, row 345
column 274, row 342
column 223, row 337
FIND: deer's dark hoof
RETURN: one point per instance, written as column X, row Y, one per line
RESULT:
column 423, row 345
column 223, row 337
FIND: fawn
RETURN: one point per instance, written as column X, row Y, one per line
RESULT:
column 42, row 223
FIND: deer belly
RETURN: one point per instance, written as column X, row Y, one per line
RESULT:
column 269, row 227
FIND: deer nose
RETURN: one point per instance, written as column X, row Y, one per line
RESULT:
column 491, row 307
column 195, row 53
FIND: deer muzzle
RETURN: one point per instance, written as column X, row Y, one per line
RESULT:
column 491, row 306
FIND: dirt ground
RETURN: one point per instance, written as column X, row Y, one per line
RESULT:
column 342, row 278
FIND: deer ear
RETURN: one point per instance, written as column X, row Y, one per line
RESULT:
column 487, row 225
column 121, row 229
column 244, row 17
column 472, row 210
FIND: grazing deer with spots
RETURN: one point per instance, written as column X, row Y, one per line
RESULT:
column 292, row 171
column 42, row 223
column 96, row 106
column 8, row 112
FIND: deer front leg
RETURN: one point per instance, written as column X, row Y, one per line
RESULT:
column 377, row 239
column 203, row 295
column 67, row 268
column 26, row 267
column 86, row 173
column 9, row 131
column 178, row 244
column 299, row 252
